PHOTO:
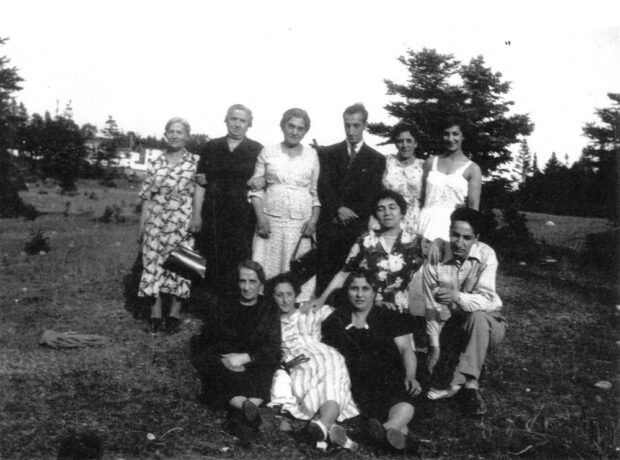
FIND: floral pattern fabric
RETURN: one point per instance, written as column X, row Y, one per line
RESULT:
column 405, row 177
column 168, row 190
column 393, row 269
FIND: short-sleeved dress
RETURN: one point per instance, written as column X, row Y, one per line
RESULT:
column 374, row 362
column 228, row 220
column 443, row 194
column 324, row 377
column 169, row 191
column 405, row 177
column 393, row 269
column 288, row 199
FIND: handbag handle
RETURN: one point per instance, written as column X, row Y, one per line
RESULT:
column 312, row 243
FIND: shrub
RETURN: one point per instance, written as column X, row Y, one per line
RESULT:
column 37, row 244
column 111, row 214
column 512, row 240
column 602, row 250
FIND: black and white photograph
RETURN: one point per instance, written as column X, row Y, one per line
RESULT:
column 331, row 229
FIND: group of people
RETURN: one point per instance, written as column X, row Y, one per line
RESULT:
column 390, row 233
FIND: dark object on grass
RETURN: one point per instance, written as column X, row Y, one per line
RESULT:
column 37, row 244
column 602, row 249
column 138, row 306
column 173, row 325
column 80, row 446
column 472, row 401
column 111, row 214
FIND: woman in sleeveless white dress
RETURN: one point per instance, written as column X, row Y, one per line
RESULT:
column 445, row 191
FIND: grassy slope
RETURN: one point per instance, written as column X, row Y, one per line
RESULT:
column 539, row 384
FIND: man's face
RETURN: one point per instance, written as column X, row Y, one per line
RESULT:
column 361, row 294
column 237, row 123
column 462, row 238
column 249, row 285
column 354, row 127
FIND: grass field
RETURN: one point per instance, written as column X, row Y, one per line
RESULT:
column 539, row 385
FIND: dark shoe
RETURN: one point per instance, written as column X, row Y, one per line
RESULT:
column 250, row 414
column 173, row 325
column 376, row 431
column 155, row 325
column 315, row 435
column 473, row 402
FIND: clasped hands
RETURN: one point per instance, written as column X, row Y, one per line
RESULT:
column 235, row 362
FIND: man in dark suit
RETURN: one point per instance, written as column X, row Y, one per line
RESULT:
column 349, row 181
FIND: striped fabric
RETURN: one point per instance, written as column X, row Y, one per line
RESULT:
column 324, row 377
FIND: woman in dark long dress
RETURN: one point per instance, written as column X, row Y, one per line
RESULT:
column 221, row 208
column 238, row 350
column 377, row 348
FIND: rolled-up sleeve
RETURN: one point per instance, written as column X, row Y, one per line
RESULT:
column 481, row 295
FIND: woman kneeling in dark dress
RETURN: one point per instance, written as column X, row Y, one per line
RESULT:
column 238, row 350
column 377, row 348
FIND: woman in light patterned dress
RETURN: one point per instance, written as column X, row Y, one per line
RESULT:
column 314, row 384
column 284, row 196
column 167, row 194
column 403, row 174
column 450, row 180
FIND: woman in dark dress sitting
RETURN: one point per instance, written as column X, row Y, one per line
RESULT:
column 376, row 346
column 238, row 350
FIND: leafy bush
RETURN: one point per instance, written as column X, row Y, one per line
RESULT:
column 111, row 214
column 512, row 240
column 37, row 244
column 602, row 249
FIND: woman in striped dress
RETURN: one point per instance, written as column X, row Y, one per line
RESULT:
column 314, row 383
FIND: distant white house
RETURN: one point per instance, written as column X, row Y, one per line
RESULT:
column 136, row 162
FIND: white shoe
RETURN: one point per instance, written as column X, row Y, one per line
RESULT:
column 434, row 393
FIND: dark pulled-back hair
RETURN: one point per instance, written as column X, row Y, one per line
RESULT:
column 404, row 128
column 255, row 267
column 283, row 278
column 368, row 275
column 469, row 215
column 391, row 194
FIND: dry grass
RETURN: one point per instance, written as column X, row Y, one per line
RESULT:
column 539, row 384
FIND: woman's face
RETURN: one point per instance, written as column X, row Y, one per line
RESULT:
column 453, row 138
column 388, row 213
column 249, row 285
column 284, row 295
column 361, row 294
column 176, row 136
column 406, row 145
column 294, row 131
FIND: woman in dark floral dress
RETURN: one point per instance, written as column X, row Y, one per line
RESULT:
column 390, row 253
column 167, row 194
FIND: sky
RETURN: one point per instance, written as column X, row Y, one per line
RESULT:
column 145, row 62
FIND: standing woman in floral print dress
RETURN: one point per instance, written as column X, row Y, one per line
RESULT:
column 167, row 194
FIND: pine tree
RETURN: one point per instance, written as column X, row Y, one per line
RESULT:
column 523, row 162
column 439, row 87
column 11, row 205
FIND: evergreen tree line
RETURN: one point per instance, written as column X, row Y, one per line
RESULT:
column 438, row 87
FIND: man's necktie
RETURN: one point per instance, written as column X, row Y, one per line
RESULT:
column 352, row 153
